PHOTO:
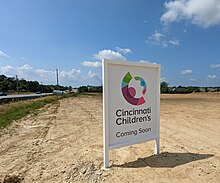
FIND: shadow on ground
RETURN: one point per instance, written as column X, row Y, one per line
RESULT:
column 165, row 160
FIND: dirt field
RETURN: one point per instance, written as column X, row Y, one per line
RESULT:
column 64, row 144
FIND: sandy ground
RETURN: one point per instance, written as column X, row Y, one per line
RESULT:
column 64, row 144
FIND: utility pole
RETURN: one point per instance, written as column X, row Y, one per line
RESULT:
column 57, row 77
column 41, row 87
column 17, row 83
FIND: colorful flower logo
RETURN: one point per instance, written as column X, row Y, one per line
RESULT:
column 130, row 92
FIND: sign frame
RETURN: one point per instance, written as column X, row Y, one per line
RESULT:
column 105, row 79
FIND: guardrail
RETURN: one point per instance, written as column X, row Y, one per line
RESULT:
column 5, row 99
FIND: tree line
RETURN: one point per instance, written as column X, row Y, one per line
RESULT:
column 11, row 84
column 164, row 88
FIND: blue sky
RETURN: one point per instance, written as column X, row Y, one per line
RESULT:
column 39, row 36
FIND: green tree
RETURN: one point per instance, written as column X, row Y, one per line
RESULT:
column 164, row 87
column 83, row 89
column 22, row 85
column 2, row 77
column 32, row 86
column 4, row 86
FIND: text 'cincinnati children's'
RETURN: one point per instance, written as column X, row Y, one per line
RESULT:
column 133, row 116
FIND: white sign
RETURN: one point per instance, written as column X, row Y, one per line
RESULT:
column 131, row 104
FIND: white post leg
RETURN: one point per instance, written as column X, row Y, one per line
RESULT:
column 106, row 158
column 157, row 146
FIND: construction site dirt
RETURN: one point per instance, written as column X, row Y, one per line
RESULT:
column 64, row 143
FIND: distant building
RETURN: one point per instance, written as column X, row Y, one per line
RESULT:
column 212, row 89
column 171, row 89
column 202, row 89
column 74, row 90
column 181, row 90
column 94, row 88
column 58, row 92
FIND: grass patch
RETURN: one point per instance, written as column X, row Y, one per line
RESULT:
column 90, row 94
column 17, row 110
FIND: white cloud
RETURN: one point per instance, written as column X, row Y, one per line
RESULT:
column 123, row 50
column 45, row 75
column 212, row 76
column 66, row 77
column 156, row 36
column 6, row 69
column 174, row 42
column 162, row 79
column 204, row 13
column 145, row 61
column 215, row 66
column 148, row 62
column 109, row 54
column 26, row 71
column 23, row 71
column 70, row 75
column 3, row 54
column 91, row 64
column 192, row 79
column 26, row 67
column 93, row 78
column 186, row 72
column 92, row 74
column 160, row 39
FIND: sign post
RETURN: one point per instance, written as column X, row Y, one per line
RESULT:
column 131, row 104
